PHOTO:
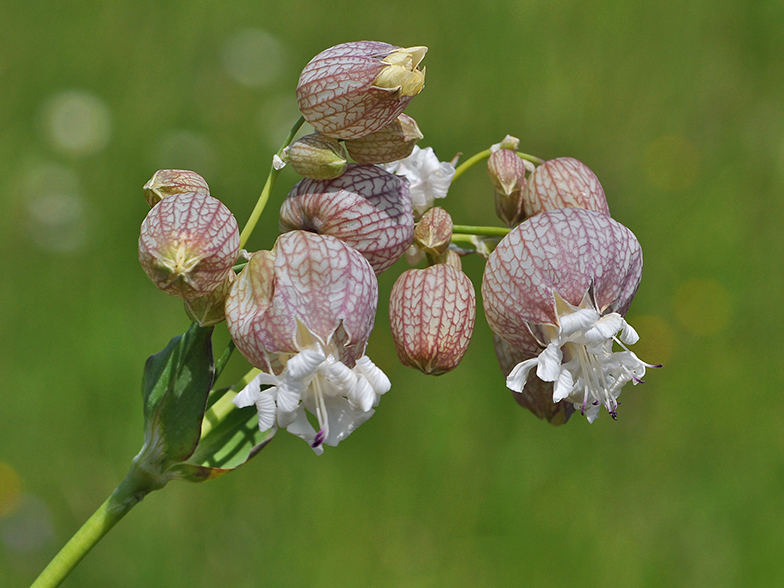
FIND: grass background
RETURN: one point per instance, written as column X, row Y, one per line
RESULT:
column 676, row 106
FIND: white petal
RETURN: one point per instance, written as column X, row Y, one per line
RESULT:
column 305, row 363
column 578, row 320
column 343, row 420
column 629, row 335
column 519, row 375
column 373, row 373
column 301, row 427
column 563, row 386
column 363, row 396
column 289, row 395
column 248, row 395
column 265, row 405
column 549, row 367
column 604, row 328
column 591, row 411
column 340, row 379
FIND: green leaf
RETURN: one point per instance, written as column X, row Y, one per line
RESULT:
column 175, row 387
column 228, row 445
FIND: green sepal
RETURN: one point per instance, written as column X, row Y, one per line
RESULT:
column 175, row 388
column 231, row 443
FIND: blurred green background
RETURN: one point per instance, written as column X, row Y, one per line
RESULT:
column 676, row 106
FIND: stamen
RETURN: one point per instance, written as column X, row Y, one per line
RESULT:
column 321, row 413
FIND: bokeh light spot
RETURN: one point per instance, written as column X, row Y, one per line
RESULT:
column 253, row 58
column 703, row 306
column 671, row 163
column 10, row 490
column 275, row 118
column 55, row 210
column 187, row 150
column 77, row 123
column 29, row 528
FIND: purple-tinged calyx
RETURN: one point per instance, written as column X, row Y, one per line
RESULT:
column 565, row 278
column 563, row 183
column 432, row 313
column 367, row 208
column 507, row 172
column 188, row 244
column 302, row 313
column 354, row 89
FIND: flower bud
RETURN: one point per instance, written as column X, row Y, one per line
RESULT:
column 354, row 89
column 209, row 310
column 509, row 142
column 188, row 244
column 318, row 157
column 391, row 143
column 432, row 312
column 166, row 182
column 433, row 232
column 507, row 172
column 367, row 208
column 563, row 183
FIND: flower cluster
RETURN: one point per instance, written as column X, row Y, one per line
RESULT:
column 555, row 288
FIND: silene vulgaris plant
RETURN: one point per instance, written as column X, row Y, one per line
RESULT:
column 559, row 278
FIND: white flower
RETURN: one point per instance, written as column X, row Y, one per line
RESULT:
column 593, row 374
column 314, row 380
column 428, row 177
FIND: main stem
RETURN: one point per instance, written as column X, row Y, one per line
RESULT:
column 127, row 495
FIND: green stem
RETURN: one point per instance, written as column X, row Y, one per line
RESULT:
column 483, row 231
column 469, row 163
column 532, row 158
column 127, row 495
column 482, row 155
column 265, row 192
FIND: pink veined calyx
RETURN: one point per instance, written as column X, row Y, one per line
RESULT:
column 302, row 313
column 561, row 283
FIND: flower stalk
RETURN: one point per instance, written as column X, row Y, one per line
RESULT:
column 255, row 215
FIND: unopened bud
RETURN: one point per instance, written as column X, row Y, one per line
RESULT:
column 563, row 183
column 507, row 172
column 508, row 142
column 367, row 208
column 433, row 232
column 432, row 313
column 318, row 157
column 354, row 89
column 394, row 142
column 166, row 182
column 188, row 244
